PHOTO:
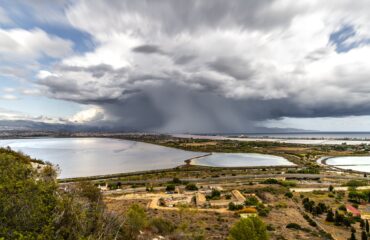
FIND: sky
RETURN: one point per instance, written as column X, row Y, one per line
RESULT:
column 187, row 66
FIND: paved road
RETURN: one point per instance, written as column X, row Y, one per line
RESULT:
column 302, row 190
column 243, row 177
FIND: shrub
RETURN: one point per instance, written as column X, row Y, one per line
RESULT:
column 262, row 210
column 162, row 226
column 191, row 187
column 176, row 181
column 356, row 183
column 215, row 195
column 251, row 201
column 248, row 229
column 293, row 226
column 270, row 181
column 170, row 187
column 288, row 183
column 234, row 207
column 136, row 220
column 288, row 194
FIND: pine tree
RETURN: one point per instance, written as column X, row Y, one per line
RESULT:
column 362, row 224
column 367, row 226
column 353, row 237
column 330, row 216
column 363, row 235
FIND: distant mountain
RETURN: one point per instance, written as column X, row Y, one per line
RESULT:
column 26, row 125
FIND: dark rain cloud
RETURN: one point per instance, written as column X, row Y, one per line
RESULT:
column 212, row 66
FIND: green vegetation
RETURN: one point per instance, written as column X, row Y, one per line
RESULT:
column 191, row 187
column 34, row 207
column 170, row 187
column 31, row 207
column 215, row 195
column 251, row 228
column 293, row 226
column 251, row 201
column 356, row 183
column 282, row 183
column 234, row 207
column 162, row 226
column 288, row 194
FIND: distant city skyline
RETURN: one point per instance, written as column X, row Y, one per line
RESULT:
column 187, row 66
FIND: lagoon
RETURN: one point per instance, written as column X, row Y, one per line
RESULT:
column 241, row 160
column 84, row 157
column 356, row 163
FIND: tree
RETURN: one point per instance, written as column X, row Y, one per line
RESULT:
column 191, row 187
column 27, row 197
column 251, row 201
column 367, row 226
column 176, row 181
column 32, row 207
column 362, row 223
column 251, row 228
column 288, row 195
column 136, row 220
column 353, row 237
column 215, row 195
column 170, row 187
column 363, row 235
column 330, row 216
column 331, row 188
column 338, row 218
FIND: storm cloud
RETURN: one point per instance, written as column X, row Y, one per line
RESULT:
column 216, row 66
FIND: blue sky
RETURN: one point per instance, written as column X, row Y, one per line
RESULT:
column 197, row 66
column 21, row 16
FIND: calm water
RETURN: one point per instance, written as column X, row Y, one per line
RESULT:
column 315, row 135
column 81, row 157
column 241, row 160
column 356, row 163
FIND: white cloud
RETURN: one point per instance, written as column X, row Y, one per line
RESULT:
column 89, row 115
column 9, row 97
column 28, row 45
column 274, row 58
column 8, row 90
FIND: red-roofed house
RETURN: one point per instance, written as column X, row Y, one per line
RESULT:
column 355, row 212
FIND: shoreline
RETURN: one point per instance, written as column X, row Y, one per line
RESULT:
column 323, row 161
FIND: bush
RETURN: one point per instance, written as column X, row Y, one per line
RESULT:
column 251, row 201
column 32, row 206
column 170, row 187
column 162, row 226
column 309, row 220
column 270, row 181
column 215, row 195
column 262, row 210
column 176, row 181
column 191, row 187
column 288, row 194
column 288, row 183
column 234, row 207
column 251, row 228
column 293, row 226
column 356, row 183
column 136, row 220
